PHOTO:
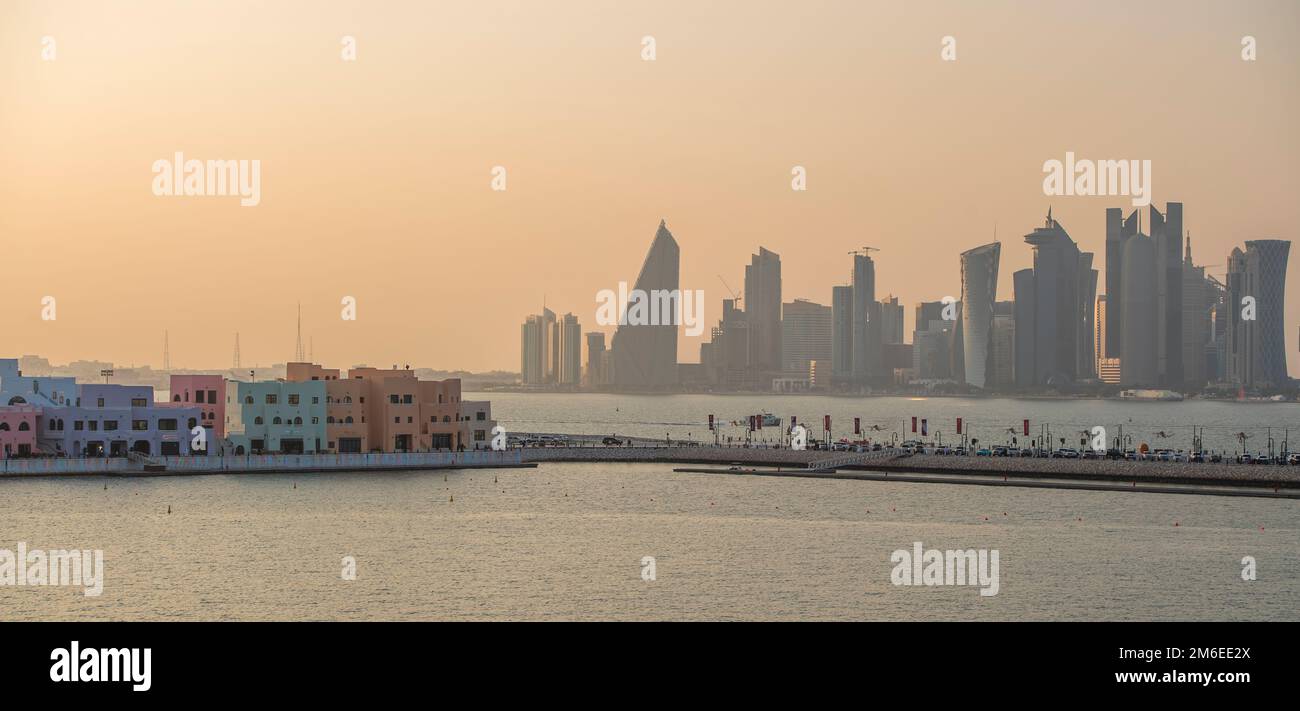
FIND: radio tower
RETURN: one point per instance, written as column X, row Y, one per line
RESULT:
column 167, row 352
column 298, row 355
column 236, row 366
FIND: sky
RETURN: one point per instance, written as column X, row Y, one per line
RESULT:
column 376, row 174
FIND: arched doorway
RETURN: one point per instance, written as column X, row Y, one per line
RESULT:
column 141, row 446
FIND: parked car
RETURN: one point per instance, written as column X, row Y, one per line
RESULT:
column 612, row 442
column 1067, row 453
column 1093, row 454
column 983, row 452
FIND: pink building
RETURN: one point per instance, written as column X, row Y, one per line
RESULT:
column 208, row 392
column 18, row 430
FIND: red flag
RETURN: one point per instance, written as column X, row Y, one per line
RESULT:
column 857, row 425
column 958, row 425
column 913, row 425
column 759, row 420
column 1026, row 427
column 826, row 422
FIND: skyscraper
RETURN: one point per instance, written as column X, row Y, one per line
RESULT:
column 1257, row 346
column 866, row 320
column 645, row 355
column 979, row 292
column 1118, row 230
column 842, row 333
column 1063, row 287
column 538, row 349
column 1024, row 287
column 1167, row 233
column 569, row 339
column 595, row 359
column 1139, row 355
column 891, row 321
column 806, row 330
column 763, row 308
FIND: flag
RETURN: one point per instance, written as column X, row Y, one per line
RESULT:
column 958, row 425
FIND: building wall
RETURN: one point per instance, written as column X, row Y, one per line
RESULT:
column 18, row 425
column 208, row 392
column 277, row 414
column 979, row 292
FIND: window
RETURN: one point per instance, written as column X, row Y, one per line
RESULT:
column 297, row 421
column 479, row 435
column 347, row 400
column 315, row 399
column 94, row 425
column 189, row 425
column 258, row 420
column 397, row 420
column 277, row 421
column 407, row 399
column 23, row 427
column 4, row 426
column 110, row 425
column 78, row 426
column 315, row 420
column 198, row 396
column 433, row 418
column 347, row 420
column 480, row 415
column 176, row 398
column 272, row 398
column 328, row 420
column 392, row 399
column 446, row 418
column 169, row 424
column 139, row 425
column 408, row 420
column 212, row 397
column 139, row 402
column 248, row 400
column 99, row 402
column 293, row 398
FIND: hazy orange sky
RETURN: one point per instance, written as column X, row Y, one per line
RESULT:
column 375, row 176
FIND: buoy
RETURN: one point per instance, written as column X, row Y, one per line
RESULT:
column 169, row 508
column 1175, row 523
column 452, row 499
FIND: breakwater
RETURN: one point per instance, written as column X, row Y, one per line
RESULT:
column 1115, row 471
column 263, row 463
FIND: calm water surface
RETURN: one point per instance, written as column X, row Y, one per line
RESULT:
column 565, row 541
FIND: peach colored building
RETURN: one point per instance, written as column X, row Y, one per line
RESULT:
column 18, row 430
column 209, row 393
column 390, row 410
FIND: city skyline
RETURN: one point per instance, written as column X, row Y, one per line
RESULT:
column 388, row 198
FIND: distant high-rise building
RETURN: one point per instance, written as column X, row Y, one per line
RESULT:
column 979, row 293
column 1257, row 347
column 866, row 320
column 1139, row 355
column 645, row 355
column 1024, row 287
column 841, row 333
column 891, row 321
column 1063, row 287
column 1003, row 371
column 538, row 349
column 763, row 309
column 1118, row 230
column 1167, row 233
column 569, row 338
column 1099, row 327
column 595, row 359
column 806, row 334
column 1198, row 309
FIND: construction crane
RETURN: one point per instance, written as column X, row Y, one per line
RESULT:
column 731, row 291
